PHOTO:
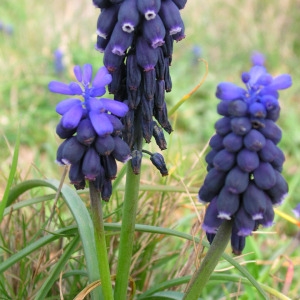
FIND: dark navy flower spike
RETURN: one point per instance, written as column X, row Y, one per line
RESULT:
column 136, row 37
column 244, row 181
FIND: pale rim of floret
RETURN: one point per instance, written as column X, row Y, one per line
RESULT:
column 224, row 215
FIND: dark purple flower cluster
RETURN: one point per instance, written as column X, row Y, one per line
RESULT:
column 91, row 130
column 136, row 37
column 244, row 178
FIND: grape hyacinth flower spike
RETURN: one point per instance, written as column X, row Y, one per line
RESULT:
column 244, row 179
column 137, row 37
column 91, row 129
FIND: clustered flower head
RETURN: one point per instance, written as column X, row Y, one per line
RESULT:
column 244, row 179
column 136, row 37
column 91, row 130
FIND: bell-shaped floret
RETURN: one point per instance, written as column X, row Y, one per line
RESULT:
column 121, row 151
column 213, row 183
column 224, row 160
column 243, row 222
column 149, row 8
column 240, row 125
column 63, row 132
column 67, row 104
column 136, row 161
column 211, row 221
column 76, row 176
column 238, row 243
column 158, row 161
column 147, row 57
column 216, row 142
column 227, row 204
column 279, row 190
column 170, row 16
column 223, row 126
column 91, row 165
column 237, row 180
column 159, row 136
column 86, row 133
column 264, row 176
column 128, row 15
column 237, row 108
column 268, row 152
column 106, row 190
column 72, row 151
column 233, row 142
column 268, row 216
column 107, row 21
column 110, row 166
column 279, row 159
column 281, row 82
column 120, row 40
column 247, row 160
column 104, row 145
column 254, row 140
column 254, row 201
column 257, row 110
column 271, row 131
column 154, row 32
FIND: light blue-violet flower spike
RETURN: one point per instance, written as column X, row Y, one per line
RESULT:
column 91, row 129
column 244, row 178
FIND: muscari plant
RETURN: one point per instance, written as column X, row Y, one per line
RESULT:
column 244, row 179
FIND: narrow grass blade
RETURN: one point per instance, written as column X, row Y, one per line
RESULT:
column 54, row 274
column 11, row 176
column 81, row 215
column 67, row 231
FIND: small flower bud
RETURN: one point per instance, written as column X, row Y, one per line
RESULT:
column 72, row 151
column 264, row 176
column 224, row 160
column 223, row 126
column 121, row 151
column 158, row 161
column 86, row 133
column 247, row 160
column 241, row 125
column 136, row 161
column 91, row 165
column 233, row 142
column 254, row 201
column 237, row 180
column 254, row 140
column 227, row 203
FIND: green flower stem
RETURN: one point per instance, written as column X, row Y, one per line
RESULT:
column 100, row 241
column 201, row 276
column 127, row 233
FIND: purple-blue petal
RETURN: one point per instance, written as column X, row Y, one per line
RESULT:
column 65, row 105
column 97, row 91
column 78, row 73
column 87, row 74
column 96, row 105
column 75, row 88
column 102, row 78
column 60, row 88
column 101, row 123
column 258, row 59
column 281, row 82
column 255, row 73
column 117, row 108
column 72, row 117
column 229, row 91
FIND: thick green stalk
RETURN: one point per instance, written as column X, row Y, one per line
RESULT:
column 100, row 241
column 127, row 233
column 211, row 259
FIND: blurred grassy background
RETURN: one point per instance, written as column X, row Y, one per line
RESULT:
column 224, row 33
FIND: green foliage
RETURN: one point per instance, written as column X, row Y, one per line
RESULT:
column 46, row 240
